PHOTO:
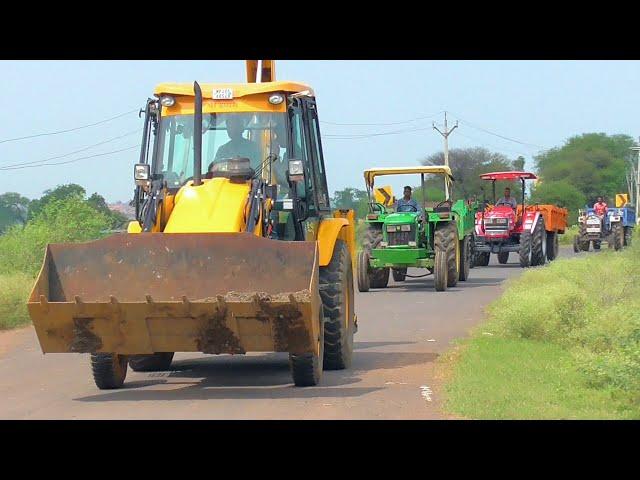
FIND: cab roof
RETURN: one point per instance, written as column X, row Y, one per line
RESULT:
column 371, row 173
column 238, row 89
column 511, row 175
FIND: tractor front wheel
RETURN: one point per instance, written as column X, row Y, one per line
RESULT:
column 363, row 271
column 440, row 270
column 378, row 277
column 399, row 274
column 503, row 258
column 156, row 362
column 576, row 243
column 482, row 259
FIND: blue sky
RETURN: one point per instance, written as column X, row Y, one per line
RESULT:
column 536, row 102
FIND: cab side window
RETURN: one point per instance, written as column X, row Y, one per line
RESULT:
column 318, row 161
column 300, row 149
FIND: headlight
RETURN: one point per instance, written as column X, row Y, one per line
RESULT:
column 276, row 99
column 405, row 228
column 167, row 101
column 412, row 244
column 392, row 228
column 501, row 221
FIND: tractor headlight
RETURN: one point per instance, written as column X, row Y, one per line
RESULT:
column 392, row 228
column 383, row 244
column 276, row 99
column 405, row 228
column 412, row 244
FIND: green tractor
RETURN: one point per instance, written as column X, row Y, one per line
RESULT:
column 439, row 240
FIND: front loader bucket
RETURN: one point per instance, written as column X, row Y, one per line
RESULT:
column 156, row 292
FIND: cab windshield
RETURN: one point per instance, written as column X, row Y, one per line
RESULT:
column 252, row 135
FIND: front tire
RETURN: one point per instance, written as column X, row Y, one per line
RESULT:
column 336, row 281
column 482, row 259
column 378, row 277
column 503, row 258
column 440, row 270
column 109, row 370
column 306, row 368
column 399, row 274
column 363, row 271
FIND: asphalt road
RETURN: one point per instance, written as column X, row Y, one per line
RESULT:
column 402, row 331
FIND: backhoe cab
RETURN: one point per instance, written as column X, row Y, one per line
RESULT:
column 235, row 247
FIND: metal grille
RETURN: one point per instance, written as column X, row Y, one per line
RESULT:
column 401, row 238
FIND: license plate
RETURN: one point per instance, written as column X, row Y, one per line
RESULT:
column 593, row 230
column 222, row 94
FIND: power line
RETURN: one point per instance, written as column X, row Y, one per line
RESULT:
column 368, row 135
column 72, row 153
column 497, row 134
column 383, row 124
column 69, row 129
column 72, row 161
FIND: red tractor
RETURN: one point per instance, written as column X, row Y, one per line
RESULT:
column 530, row 230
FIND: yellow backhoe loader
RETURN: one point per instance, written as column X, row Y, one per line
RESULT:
column 235, row 247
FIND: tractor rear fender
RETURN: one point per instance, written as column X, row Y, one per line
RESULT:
column 329, row 231
column 530, row 220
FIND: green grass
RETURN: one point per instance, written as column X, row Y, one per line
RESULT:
column 562, row 342
column 14, row 290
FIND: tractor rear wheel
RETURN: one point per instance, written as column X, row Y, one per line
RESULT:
column 399, row 274
column 618, row 236
column 156, row 362
column 336, row 281
column 628, row 233
column 306, row 368
column 465, row 258
column 378, row 277
column 363, row 271
column 552, row 245
column 109, row 370
column 525, row 252
column 446, row 238
column 503, row 258
column 539, row 244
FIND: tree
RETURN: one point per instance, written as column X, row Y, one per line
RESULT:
column 61, row 192
column 351, row 198
column 13, row 209
column 467, row 164
column 116, row 219
column 594, row 163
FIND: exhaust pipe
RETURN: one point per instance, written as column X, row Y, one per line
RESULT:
column 197, row 135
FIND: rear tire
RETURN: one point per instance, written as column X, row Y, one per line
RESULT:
column 363, row 271
column 156, row 362
column 336, row 280
column 482, row 259
column 618, row 236
column 109, row 370
column 539, row 244
column 465, row 258
column 552, row 245
column 399, row 274
column 628, row 234
column 306, row 368
column 503, row 258
column 446, row 239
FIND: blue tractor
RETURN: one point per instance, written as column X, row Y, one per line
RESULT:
column 615, row 228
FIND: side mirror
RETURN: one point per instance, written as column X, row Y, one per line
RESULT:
column 296, row 170
column 142, row 174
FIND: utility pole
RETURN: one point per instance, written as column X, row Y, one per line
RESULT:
column 445, row 135
column 637, row 149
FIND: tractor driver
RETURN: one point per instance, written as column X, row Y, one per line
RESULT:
column 238, row 146
column 600, row 207
column 408, row 204
column 507, row 199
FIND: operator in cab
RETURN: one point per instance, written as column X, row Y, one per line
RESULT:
column 507, row 199
column 238, row 146
column 600, row 207
column 408, row 204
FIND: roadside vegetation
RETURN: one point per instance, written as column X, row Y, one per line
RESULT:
column 562, row 342
column 61, row 215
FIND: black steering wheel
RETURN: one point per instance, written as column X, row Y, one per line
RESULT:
column 405, row 206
